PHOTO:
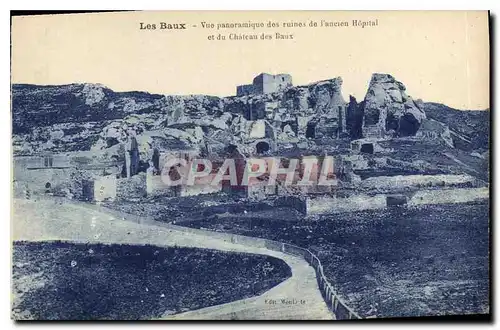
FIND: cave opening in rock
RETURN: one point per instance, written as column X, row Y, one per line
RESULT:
column 367, row 148
column 311, row 131
column 262, row 147
column 408, row 125
column 391, row 123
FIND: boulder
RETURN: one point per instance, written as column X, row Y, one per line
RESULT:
column 435, row 130
column 314, row 112
column 387, row 107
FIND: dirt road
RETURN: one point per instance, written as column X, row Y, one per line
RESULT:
column 297, row 298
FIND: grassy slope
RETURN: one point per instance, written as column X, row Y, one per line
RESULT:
column 473, row 124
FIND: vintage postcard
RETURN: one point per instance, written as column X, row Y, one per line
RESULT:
column 259, row 165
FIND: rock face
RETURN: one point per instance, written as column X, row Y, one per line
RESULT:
column 432, row 129
column 387, row 109
column 354, row 118
column 470, row 130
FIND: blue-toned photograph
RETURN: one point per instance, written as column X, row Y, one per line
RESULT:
column 201, row 166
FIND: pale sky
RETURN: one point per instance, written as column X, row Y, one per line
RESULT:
column 440, row 56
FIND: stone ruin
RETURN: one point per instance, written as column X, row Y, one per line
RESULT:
column 266, row 83
column 387, row 109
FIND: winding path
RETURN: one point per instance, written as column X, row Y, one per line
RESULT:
column 297, row 298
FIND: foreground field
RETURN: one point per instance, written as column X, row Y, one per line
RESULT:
column 430, row 260
column 66, row 281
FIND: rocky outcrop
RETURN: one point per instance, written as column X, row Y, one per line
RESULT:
column 470, row 130
column 388, row 110
column 36, row 106
column 432, row 129
column 93, row 117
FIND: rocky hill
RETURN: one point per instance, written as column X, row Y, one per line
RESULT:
column 92, row 117
column 470, row 130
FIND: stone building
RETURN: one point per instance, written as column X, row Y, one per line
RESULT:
column 266, row 83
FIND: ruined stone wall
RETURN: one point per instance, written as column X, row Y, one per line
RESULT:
column 266, row 83
column 434, row 130
column 41, row 161
column 297, row 203
column 199, row 189
column 314, row 111
column 245, row 90
column 156, row 187
column 367, row 145
column 387, row 109
column 84, row 185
